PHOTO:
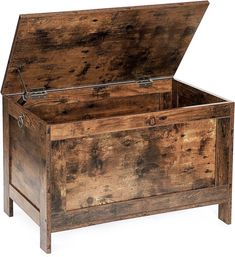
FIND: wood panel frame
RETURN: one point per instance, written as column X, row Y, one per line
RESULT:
column 41, row 216
column 61, row 219
column 128, row 122
column 139, row 207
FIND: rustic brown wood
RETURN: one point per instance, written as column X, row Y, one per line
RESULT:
column 101, row 146
column 141, row 161
column 98, row 108
column 189, row 96
column 224, row 162
column 25, row 204
column 8, row 203
column 128, row 122
column 91, row 103
column 25, row 161
column 45, row 194
column 139, row 207
column 30, row 165
column 105, row 91
column 111, row 45
column 58, row 176
column 31, row 121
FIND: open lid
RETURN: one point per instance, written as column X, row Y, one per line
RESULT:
column 71, row 49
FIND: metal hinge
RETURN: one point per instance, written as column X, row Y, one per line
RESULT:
column 145, row 82
column 34, row 93
column 38, row 93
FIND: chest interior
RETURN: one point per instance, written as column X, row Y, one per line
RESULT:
column 117, row 99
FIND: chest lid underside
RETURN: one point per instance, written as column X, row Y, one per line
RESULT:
column 80, row 48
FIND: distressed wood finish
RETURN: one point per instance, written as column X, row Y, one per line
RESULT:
column 91, row 103
column 99, row 145
column 99, row 92
column 139, row 207
column 98, row 108
column 187, row 95
column 145, row 162
column 25, row 204
column 138, row 121
column 31, row 121
column 30, row 168
column 112, row 45
column 8, row 203
column 25, row 161
column 45, row 193
column 224, row 162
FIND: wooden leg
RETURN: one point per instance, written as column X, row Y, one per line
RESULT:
column 224, row 162
column 8, row 203
column 45, row 198
column 225, row 211
column 45, row 238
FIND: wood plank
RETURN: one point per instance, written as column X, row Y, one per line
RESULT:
column 8, row 203
column 174, row 94
column 45, row 193
column 58, row 177
column 31, row 121
column 92, row 102
column 222, row 151
column 25, row 204
column 189, row 96
column 105, row 91
column 97, row 108
column 95, row 47
column 126, row 165
column 139, row 207
column 224, row 157
column 129, row 122
column 26, row 161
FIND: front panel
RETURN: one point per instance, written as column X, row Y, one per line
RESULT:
column 112, row 167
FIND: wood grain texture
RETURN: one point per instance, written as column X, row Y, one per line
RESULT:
column 98, row 108
column 99, row 92
column 31, row 121
column 125, row 165
column 45, row 193
column 8, row 203
column 26, row 162
column 224, row 157
column 190, row 96
column 139, row 207
column 58, row 178
column 92, row 47
column 138, row 121
column 100, row 147
column 25, row 204
column 91, row 103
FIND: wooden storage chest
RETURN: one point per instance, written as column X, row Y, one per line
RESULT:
column 97, row 129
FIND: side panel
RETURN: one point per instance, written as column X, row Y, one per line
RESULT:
column 25, row 151
column 186, row 95
column 30, row 168
column 119, row 166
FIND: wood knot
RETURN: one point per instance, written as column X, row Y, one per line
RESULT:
column 151, row 121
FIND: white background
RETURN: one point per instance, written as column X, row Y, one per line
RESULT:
column 208, row 64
